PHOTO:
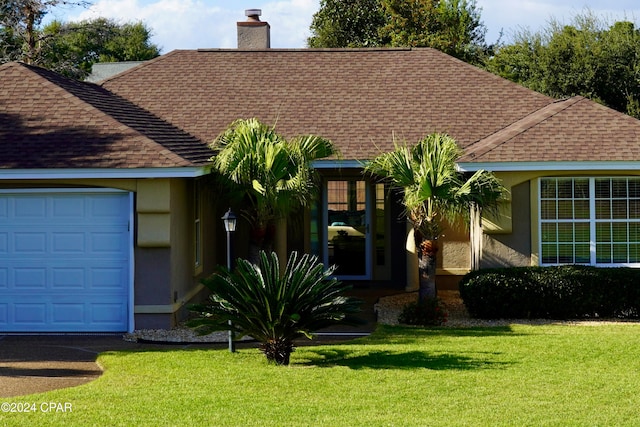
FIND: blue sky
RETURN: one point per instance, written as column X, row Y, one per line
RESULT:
column 191, row 24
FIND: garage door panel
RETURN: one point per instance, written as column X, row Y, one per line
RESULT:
column 30, row 314
column 29, row 278
column 68, row 242
column 68, row 207
column 30, row 207
column 64, row 264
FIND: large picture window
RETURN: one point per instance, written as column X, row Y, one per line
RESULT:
column 590, row 221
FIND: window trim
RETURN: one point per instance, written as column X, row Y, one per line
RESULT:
column 592, row 221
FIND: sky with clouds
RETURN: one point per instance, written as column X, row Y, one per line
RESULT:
column 192, row 24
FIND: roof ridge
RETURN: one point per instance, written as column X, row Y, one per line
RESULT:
column 502, row 136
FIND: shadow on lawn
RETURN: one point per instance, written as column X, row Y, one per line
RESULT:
column 380, row 359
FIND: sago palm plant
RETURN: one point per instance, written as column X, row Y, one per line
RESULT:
column 275, row 308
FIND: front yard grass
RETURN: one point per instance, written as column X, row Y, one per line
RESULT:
column 549, row 375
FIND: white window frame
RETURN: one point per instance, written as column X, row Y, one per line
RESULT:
column 591, row 220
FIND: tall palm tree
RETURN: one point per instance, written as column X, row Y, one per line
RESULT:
column 434, row 194
column 271, row 176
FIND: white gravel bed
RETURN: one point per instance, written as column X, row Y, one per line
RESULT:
column 179, row 334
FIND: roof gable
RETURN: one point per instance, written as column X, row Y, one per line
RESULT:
column 571, row 130
column 48, row 121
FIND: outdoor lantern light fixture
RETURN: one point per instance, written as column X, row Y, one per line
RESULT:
column 230, row 221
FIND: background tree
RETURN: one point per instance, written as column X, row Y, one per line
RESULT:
column 69, row 48
column 452, row 26
column 434, row 194
column 268, row 176
column 347, row 23
column 72, row 48
column 19, row 26
column 590, row 57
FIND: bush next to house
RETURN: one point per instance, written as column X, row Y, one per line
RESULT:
column 563, row 292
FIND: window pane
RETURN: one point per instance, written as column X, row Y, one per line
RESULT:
column 581, row 209
column 619, row 232
column 619, row 209
column 603, row 232
column 565, row 209
column 620, row 253
column 565, row 254
column 619, row 188
column 548, row 209
column 634, row 209
column 549, row 232
column 549, row 254
column 634, row 232
column 603, row 209
column 581, row 189
column 582, row 232
column 548, row 188
column 565, row 232
column 565, row 188
column 634, row 253
column 603, row 253
column 583, row 255
column 634, row 187
column 603, row 189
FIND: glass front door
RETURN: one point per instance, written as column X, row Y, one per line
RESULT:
column 347, row 239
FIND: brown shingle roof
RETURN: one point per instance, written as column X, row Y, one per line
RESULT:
column 358, row 98
column 48, row 121
column 572, row 130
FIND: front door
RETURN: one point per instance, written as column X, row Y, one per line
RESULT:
column 347, row 237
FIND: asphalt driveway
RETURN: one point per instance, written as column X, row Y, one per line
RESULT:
column 34, row 364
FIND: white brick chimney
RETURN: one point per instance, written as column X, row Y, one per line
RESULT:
column 253, row 34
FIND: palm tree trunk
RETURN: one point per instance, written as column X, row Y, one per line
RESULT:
column 427, row 251
column 261, row 240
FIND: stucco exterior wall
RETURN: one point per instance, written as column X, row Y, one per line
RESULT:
column 512, row 248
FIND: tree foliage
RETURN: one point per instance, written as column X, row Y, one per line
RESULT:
column 69, row 48
column 434, row 193
column 452, row 26
column 19, row 26
column 74, row 47
column 589, row 57
column 347, row 23
column 269, row 176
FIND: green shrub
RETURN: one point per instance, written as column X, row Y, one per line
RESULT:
column 275, row 308
column 564, row 292
column 427, row 312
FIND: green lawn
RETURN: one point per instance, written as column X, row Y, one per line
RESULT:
column 557, row 375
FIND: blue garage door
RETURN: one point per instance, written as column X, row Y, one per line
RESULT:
column 64, row 261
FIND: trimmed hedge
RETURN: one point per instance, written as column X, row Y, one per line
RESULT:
column 564, row 292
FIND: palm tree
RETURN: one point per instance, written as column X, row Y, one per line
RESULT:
column 434, row 194
column 271, row 176
column 275, row 308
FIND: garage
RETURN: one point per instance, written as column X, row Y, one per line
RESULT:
column 65, row 260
